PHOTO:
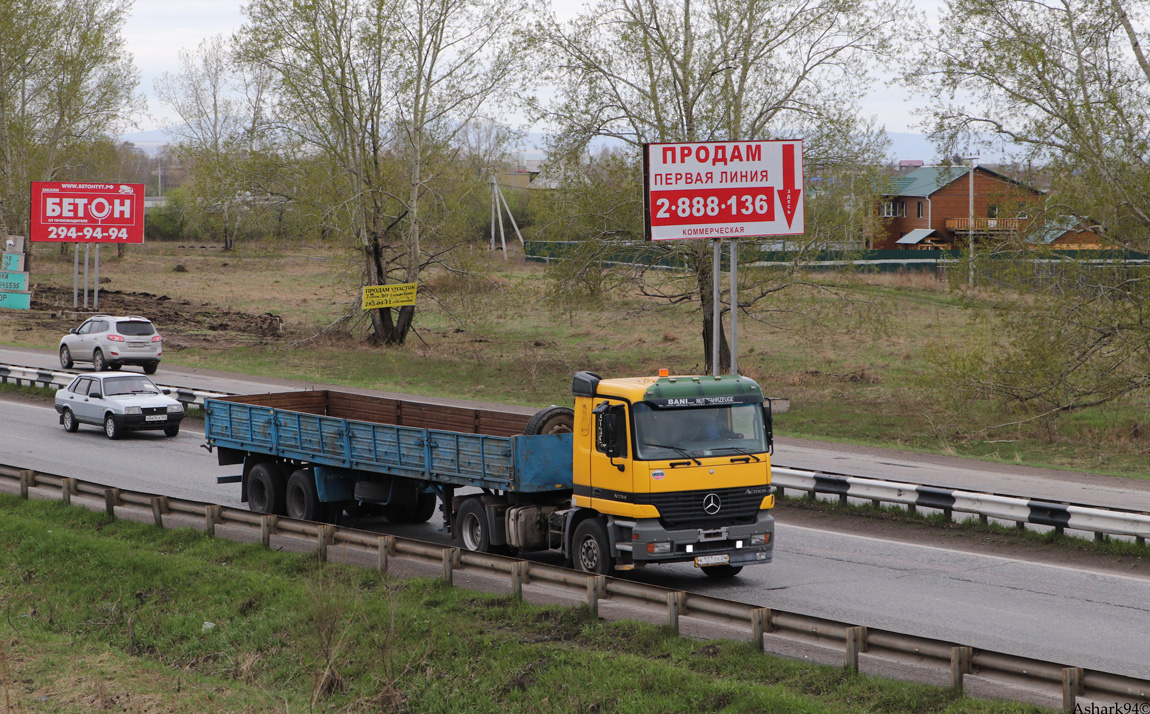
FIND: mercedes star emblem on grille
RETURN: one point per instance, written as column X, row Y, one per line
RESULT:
column 712, row 504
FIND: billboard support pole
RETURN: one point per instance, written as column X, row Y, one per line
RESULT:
column 87, row 255
column 75, row 276
column 96, row 283
column 715, row 312
column 734, row 307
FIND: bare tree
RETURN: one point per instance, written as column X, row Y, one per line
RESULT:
column 641, row 71
column 378, row 88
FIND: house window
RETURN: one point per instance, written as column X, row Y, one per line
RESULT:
column 992, row 211
column 903, row 211
column 920, row 209
column 889, row 209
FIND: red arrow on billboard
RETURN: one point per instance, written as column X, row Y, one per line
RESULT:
column 789, row 195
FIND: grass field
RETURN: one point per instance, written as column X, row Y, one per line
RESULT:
column 854, row 359
column 106, row 615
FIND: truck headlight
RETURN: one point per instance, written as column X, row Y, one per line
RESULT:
column 760, row 539
column 658, row 548
column 175, row 408
column 131, row 410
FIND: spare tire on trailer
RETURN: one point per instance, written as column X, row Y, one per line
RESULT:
column 552, row 420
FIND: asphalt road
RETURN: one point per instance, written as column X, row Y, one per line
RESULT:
column 1078, row 487
column 1078, row 616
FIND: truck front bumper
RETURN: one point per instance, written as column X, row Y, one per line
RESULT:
column 648, row 536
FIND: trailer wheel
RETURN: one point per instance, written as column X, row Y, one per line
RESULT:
column 267, row 489
column 722, row 572
column 302, row 501
column 471, row 527
column 425, row 509
column 590, row 549
column 552, row 420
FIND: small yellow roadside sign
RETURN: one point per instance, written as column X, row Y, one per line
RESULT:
column 388, row 295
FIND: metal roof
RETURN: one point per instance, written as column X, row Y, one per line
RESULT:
column 917, row 236
column 931, row 179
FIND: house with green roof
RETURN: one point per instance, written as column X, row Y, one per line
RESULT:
column 947, row 206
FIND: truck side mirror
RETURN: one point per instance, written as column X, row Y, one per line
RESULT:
column 769, row 425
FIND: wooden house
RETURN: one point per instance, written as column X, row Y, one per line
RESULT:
column 930, row 207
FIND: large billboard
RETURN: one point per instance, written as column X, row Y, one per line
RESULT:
column 72, row 212
column 723, row 189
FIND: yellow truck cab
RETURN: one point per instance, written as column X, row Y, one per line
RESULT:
column 670, row 469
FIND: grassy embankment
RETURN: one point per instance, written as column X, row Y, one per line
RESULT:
column 105, row 615
column 855, row 371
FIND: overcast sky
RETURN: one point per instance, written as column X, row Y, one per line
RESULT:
column 157, row 30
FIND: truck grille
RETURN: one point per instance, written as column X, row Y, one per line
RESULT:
column 687, row 509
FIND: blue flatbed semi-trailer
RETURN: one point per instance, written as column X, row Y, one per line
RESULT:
column 643, row 470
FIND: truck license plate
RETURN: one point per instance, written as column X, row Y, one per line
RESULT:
column 712, row 560
column 156, row 417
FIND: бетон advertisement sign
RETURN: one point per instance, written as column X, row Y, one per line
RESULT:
column 87, row 212
column 723, row 189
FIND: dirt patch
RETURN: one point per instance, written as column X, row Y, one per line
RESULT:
column 183, row 323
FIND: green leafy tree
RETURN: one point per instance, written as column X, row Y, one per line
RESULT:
column 66, row 83
column 1067, row 85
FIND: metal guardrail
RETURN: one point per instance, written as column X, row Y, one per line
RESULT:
column 1074, row 682
column 49, row 379
column 1061, row 516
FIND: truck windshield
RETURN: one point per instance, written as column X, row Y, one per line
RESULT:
column 662, row 434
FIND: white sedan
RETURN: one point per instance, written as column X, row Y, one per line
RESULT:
column 119, row 403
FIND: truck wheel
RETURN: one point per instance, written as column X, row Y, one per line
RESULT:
column 552, row 420
column 590, row 549
column 302, row 501
column 471, row 527
column 267, row 489
column 721, row 572
column 425, row 509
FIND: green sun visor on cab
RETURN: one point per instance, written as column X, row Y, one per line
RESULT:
column 673, row 392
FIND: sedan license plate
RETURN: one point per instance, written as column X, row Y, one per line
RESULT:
column 156, row 417
column 712, row 560
column 138, row 345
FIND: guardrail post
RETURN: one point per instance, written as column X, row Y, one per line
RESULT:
column 518, row 570
column 111, row 500
column 596, row 587
column 1139, row 541
column 324, row 536
column 450, row 559
column 67, row 488
column 983, row 519
column 911, row 508
column 1099, row 537
column 960, row 661
column 386, row 550
column 842, row 499
column 675, row 603
column 856, row 642
column 1020, row 525
column 157, row 512
column 759, row 618
column 211, row 518
column 27, row 480
column 1071, row 687
column 267, row 527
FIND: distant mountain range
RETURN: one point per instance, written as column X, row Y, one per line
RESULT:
column 904, row 146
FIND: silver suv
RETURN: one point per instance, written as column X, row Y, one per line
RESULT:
column 119, row 403
column 110, row 342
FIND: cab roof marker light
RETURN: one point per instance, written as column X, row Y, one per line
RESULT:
column 664, row 372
